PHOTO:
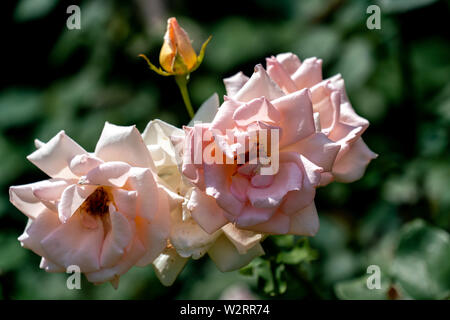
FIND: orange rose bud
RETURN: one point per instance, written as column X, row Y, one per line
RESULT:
column 177, row 55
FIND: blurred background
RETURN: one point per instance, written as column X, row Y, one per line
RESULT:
column 397, row 216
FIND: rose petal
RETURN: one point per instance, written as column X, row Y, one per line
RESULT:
column 318, row 149
column 125, row 144
column 277, row 73
column 81, row 164
column 288, row 178
column 351, row 166
column 259, row 109
column 113, row 174
column 54, row 157
column 206, row 212
column 23, row 198
column 251, row 215
column 73, row 244
column 227, row 258
column 289, row 61
column 189, row 239
column 126, row 202
column 38, row 229
column 218, row 186
column 71, row 199
column 277, row 224
column 243, row 240
column 207, row 110
column 117, row 239
column 154, row 235
column 141, row 180
column 308, row 74
column 129, row 259
column 259, row 85
column 234, row 83
column 305, row 222
column 297, row 116
column 168, row 266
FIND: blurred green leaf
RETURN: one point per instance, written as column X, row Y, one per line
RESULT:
column 33, row 9
column 11, row 253
column 422, row 263
column 396, row 6
column 19, row 107
column 357, row 289
column 298, row 254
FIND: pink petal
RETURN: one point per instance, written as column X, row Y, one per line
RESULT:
column 73, row 244
column 351, row 166
column 227, row 258
column 309, row 73
column 278, row 224
column 142, row 181
column 251, row 216
column 243, row 240
column 259, row 109
column 124, row 144
column 238, row 188
column 37, row 230
column 288, row 178
column 117, row 239
column 126, row 202
column 71, row 199
column 217, row 182
column 206, row 212
column 289, row 61
column 224, row 117
column 154, row 235
column 49, row 190
column 262, row 181
column 318, row 149
column 54, row 157
column 305, row 222
column 113, row 174
column 234, row 83
column 297, row 116
column 23, row 198
column 259, row 85
column 133, row 253
column 81, row 164
column 49, row 266
column 280, row 75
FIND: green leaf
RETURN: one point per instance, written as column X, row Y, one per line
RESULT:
column 402, row 5
column 11, row 253
column 33, row 9
column 357, row 289
column 298, row 254
column 19, row 107
column 422, row 263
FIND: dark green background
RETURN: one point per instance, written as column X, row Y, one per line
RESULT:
column 397, row 216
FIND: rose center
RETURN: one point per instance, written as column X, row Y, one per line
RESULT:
column 97, row 204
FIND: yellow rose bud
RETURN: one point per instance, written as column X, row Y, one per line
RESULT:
column 177, row 55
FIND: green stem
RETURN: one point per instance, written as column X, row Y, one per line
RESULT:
column 181, row 81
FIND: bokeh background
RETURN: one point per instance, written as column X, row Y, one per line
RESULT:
column 397, row 216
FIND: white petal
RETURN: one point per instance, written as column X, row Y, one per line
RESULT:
column 118, row 143
column 168, row 266
column 54, row 157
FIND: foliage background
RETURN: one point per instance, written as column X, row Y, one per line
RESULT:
column 397, row 216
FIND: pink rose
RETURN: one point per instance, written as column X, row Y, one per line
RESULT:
column 101, row 211
column 336, row 117
column 244, row 193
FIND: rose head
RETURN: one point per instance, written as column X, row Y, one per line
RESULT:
column 101, row 211
column 319, row 141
